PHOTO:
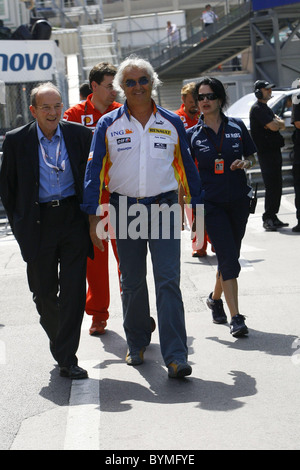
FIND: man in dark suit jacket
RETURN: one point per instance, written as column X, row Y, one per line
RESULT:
column 41, row 184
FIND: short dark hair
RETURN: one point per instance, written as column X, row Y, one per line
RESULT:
column 100, row 70
column 216, row 86
column 85, row 90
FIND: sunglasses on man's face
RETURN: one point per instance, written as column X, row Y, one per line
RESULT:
column 141, row 81
column 209, row 96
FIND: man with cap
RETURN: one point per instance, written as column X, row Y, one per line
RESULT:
column 265, row 127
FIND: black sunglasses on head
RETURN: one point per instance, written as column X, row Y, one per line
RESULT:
column 141, row 81
column 209, row 96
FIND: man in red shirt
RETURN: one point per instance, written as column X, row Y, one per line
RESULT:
column 188, row 111
column 189, row 114
column 88, row 112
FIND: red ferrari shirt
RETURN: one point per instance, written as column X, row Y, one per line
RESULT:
column 187, row 121
column 85, row 113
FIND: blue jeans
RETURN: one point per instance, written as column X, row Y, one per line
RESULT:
column 165, row 256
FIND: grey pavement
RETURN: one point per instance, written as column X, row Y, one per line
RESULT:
column 243, row 393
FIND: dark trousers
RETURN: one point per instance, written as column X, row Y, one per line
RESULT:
column 296, row 177
column 57, row 278
column 271, row 164
column 226, row 225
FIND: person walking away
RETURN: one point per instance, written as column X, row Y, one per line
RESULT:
column 84, row 91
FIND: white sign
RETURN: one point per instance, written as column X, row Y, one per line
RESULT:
column 27, row 61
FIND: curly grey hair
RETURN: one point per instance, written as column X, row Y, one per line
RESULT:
column 133, row 61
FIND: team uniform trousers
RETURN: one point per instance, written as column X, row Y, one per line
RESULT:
column 271, row 170
column 165, row 256
column 226, row 225
column 57, row 277
column 97, row 274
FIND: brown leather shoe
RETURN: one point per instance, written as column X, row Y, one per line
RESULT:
column 97, row 327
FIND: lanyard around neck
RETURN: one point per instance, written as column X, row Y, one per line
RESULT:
column 57, row 153
column 219, row 148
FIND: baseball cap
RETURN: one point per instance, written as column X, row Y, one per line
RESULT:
column 263, row 84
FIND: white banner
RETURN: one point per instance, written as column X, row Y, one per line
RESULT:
column 27, row 61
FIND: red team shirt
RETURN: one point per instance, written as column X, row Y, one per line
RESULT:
column 187, row 122
column 85, row 113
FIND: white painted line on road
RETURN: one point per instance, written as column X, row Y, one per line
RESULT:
column 83, row 422
column 287, row 204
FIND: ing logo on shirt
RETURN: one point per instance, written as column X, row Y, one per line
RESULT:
column 121, row 132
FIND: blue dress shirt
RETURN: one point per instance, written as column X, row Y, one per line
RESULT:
column 56, row 177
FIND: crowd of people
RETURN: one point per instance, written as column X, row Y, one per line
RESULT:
column 69, row 184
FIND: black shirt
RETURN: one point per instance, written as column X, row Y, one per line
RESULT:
column 264, row 139
column 296, row 136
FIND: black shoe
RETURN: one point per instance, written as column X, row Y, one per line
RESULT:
column 153, row 324
column 218, row 314
column 237, row 326
column 73, row 372
column 279, row 224
column 269, row 225
column 296, row 228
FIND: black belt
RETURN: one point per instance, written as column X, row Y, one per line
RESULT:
column 145, row 200
column 58, row 202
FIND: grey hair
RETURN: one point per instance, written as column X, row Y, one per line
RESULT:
column 133, row 61
column 40, row 87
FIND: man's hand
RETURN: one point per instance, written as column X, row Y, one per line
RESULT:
column 97, row 231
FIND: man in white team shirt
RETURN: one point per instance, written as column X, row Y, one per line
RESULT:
column 141, row 149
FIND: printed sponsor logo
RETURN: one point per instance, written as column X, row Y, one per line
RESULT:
column 87, row 119
column 121, row 132
column 235, row 135
column 121, row 149
column 159, row 145
column 124, row 140
column 18, row 61
column 155, row 130
column 202, row 146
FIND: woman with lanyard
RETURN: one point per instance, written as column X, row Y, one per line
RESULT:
column 219, row 144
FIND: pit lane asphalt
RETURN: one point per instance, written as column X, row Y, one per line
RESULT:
column 242, row 394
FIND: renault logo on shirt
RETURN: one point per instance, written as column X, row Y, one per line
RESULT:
column 153, row 130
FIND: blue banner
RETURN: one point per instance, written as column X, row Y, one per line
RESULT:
column 265, row 4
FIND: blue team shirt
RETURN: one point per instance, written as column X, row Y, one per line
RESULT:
column 235, row 144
